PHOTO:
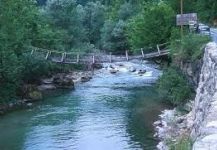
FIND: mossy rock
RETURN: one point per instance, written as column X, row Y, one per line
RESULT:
column 35, row 95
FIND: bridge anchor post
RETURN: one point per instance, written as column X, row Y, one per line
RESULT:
column 158, row 49
column 110, row 57
column 127, row 56
column 78, row 58
column 142, row 52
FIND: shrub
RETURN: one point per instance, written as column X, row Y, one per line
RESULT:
column 173, row 87
column 190, row 47
column 184, row 143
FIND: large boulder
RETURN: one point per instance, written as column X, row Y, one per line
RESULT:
column 141, row 72
column 85, row 78
column 97, row 66
column 132, row 69
column 47, row 81
column 30, row 91
column 45, row 87
column 113, row 71
column 63, row 81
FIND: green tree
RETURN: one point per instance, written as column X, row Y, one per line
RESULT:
column 65, row 15
column 126, row 11
column 207, row 10
column 94, row 20
column 151, row 27
column 113, row 37
column 17, row 23
column 106, row 38
column 189, row 6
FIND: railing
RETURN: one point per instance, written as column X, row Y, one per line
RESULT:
column 64, row 57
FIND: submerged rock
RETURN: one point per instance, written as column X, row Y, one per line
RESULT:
column 113, row 71
column 47, row 81
column 29, row 104
column 132, row 69
column 97, row 66
column 141, row 72
column 45, row 87
column 85, row 78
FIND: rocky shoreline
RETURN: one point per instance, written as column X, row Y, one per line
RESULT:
column 171, row 127
column 199, row 125
column 32, row 93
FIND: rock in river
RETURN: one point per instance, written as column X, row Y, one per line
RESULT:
column 132, row 69
column 85, row 78
column 45, row 87
column 113, row 71
column 141, row 72
column 62, row 81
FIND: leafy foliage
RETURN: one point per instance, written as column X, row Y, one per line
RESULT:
column 151, row 27
column 207, row 10
column 17, row 21
column 94, row 20
column 183, row 143
column 190, row 47
column 173, row 86
column 113, row 36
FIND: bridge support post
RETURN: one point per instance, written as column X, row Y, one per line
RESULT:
column 78, row 58
column 142, row 53
column 158, row 49
column 63, row 56
column 32, row 52
column 47, row 55
column 110, row 57
column 93, row 60
column 127, row 56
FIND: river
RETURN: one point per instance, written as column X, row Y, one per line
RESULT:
column 110, row 112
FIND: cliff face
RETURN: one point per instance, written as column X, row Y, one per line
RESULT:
column 203, row 118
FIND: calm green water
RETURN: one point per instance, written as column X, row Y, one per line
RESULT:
column 111, row 112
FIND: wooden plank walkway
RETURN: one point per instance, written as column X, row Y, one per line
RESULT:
column 64, row 57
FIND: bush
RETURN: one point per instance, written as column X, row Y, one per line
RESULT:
column 173, row 87
column 190, row 47
column 184, row 143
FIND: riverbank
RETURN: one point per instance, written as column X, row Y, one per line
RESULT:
column 197, row 127
column 35, row 92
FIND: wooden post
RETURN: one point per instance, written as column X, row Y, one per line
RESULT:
column 63, row 55
column 32, row 52
column 93, row 59
column 127, row 55
column 78, row 58
column 142, row 52
column 47, row 55
column 110, row 57
column 181, row 11
column 158, row 49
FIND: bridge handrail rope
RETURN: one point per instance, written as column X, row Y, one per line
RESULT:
column 96, row 55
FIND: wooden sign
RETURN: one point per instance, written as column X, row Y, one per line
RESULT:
column 184, row 19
